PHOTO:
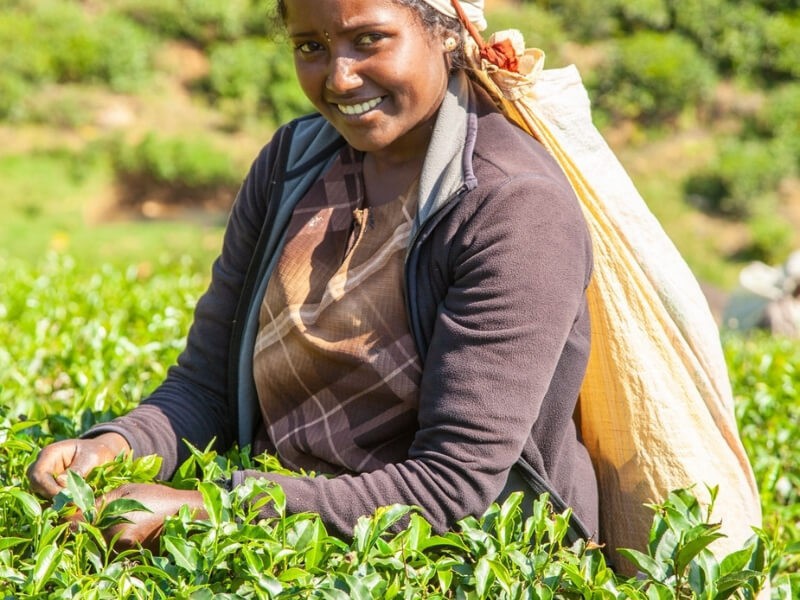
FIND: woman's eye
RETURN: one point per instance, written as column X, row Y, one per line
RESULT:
column 368, row 39
column 308, row 47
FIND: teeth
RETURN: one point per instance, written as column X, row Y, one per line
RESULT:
column 359, row 109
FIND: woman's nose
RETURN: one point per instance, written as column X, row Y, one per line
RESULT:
column 343, row 75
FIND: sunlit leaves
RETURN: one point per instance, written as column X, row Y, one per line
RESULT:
column 78, row 347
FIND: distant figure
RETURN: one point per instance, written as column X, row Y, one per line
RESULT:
column 767, row 298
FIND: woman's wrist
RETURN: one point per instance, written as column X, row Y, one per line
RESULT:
column 115, row 442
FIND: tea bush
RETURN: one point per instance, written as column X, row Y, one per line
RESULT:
column 81, row 344
column 766, row 384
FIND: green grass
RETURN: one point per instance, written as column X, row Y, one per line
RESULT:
column 49, row 202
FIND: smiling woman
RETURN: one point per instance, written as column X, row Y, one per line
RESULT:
column 400, row 300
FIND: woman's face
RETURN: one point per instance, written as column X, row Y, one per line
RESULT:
column 372, row 69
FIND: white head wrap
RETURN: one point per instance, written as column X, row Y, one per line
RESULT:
column 472, row 8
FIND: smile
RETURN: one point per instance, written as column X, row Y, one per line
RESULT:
column 359, row 109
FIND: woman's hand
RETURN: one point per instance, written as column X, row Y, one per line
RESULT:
column 144, row 528
column 48, row 474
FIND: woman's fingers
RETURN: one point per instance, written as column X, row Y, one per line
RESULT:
column 47, row 473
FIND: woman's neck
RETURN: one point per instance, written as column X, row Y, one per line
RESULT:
column 385, row 181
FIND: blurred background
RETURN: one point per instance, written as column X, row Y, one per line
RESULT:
column 127, row 125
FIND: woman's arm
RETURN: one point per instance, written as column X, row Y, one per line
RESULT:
column 192, row 402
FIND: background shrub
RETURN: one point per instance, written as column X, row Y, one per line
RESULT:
column 652, row 14
column 732, row 38
column 205, row 22
column 14, row 89
column 31, row 60
column 158, row 176
column 190, row 163
column 742, row 181
column 771, row 239
column 782, row 41
column 59, row 42
column 653, row 76
column 254, row 76
column 780, row 119
column 586, row 19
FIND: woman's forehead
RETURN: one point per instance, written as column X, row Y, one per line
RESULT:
column 344, row 15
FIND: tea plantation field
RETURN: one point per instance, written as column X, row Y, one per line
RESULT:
column 81, row 344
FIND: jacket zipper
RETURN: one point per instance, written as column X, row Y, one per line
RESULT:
column 410, row 265
column 240, row 315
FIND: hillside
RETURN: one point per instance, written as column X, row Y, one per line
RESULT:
column 152, row 138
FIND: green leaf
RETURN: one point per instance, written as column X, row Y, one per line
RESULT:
column 356, row 588
column 317, row 544
column 331, row 594
column 29, row 504
column 502, row 574
column 10, row 542
column 691, row 549
column 7, row 574
column 387, row 516
column 700, row 580
column 114, row 512
column 369, row 529
column 47, row 561
column 295, row 574
column 659, row 592
column 736, row 561
column 483, row 577
column 646, row 564
column 214, row 502
column 183, row 552
column 727, row 585
column 81, row 494
column 416, row 536
column 275, row 492
column 445, row 577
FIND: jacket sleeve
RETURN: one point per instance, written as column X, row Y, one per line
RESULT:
column 192, row 402
column 516, row 274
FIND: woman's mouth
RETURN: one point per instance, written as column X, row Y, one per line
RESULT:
column 354, row 110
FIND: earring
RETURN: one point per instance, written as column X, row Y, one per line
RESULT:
column 450, row 44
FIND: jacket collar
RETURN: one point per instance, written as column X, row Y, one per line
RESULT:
column 448, row 162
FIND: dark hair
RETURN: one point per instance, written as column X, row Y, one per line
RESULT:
column 432, row 19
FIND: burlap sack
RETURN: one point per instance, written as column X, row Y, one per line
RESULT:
column 656, row 407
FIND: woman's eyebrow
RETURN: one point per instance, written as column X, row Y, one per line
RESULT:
column 345, row 29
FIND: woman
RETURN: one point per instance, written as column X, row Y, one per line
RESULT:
column 399, row 302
